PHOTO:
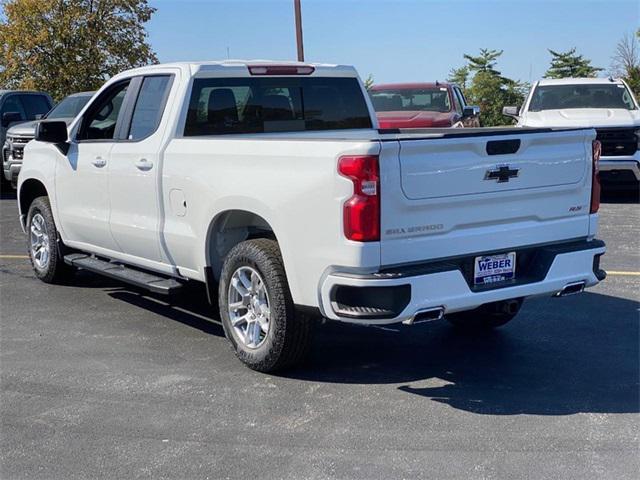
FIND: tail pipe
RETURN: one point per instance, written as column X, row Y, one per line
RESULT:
column 571, row 289
column 427, row 315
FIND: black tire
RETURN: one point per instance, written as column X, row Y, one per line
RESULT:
column 288, row 339
column 491, row 315
column 55, row 270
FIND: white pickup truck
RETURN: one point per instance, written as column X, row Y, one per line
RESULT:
column 271, row 183
column 605, row 104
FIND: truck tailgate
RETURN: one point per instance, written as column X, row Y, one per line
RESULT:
column 468, row 193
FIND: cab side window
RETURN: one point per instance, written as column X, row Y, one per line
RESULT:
column 101, row 119
column 35, row 106
column 149, row 106
column 14, row 105
column 456, row 100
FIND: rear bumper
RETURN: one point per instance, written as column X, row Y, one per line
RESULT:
column 398, row 295
column 628, row 165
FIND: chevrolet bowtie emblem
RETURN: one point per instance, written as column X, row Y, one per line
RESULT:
column 501, row 174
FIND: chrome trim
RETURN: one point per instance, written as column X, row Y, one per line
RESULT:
column 438, row 311
column 248, row 307
column 572, row 288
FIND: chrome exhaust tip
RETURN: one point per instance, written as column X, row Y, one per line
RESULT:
column 427, row 315
column 571, row 289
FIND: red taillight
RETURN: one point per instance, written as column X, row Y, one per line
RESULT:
column 361, row 213
column 596, row 149
column 281, row 69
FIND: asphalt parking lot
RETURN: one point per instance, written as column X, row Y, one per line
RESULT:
column 99, row 380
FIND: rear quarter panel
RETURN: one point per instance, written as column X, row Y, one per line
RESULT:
column 292, row 184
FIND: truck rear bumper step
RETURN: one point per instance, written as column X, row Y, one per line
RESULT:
column 138, row 278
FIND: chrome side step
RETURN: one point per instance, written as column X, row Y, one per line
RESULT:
column 149, row 281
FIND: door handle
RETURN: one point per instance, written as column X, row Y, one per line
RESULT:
column 144, row 164
column 99, row 162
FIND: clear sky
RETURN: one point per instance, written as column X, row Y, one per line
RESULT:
column 401, row 40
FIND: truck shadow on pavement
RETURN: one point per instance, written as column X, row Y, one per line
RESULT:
column 189, row 308
column 559, row 357
column 7, row 193
column 620, row 196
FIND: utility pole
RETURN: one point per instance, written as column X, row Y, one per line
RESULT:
column 298, row 15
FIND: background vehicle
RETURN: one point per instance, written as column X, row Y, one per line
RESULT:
column 18, row 135
column 422, row 105
column 20, row 106
column 608, row 105
column 270, row 183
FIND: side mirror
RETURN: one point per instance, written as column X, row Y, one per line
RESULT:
column 511, row 111
column 10, row 117
column 470, row 111
column 52, row 132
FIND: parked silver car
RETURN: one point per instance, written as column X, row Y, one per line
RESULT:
column 19, row 106
column 18, row 135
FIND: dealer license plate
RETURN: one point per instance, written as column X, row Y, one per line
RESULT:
column 494, row 268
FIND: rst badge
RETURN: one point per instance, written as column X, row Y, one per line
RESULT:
column 494, row 268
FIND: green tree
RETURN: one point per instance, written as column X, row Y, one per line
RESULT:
column 488, row 88
column 368, row 82
column 570, row 65
column 66, row 46
column 626, row 61
column 459, row 76
column 485, row 62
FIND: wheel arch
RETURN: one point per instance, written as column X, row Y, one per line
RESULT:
column 227, row 229
column 30, row 189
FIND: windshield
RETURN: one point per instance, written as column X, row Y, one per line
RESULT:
column 604, row 95
column 69, row 106
column 416, row 99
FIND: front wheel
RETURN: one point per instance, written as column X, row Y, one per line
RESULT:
column 491, row 315
column 256, row 308
column 44, row 244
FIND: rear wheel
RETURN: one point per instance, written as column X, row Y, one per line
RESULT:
column 44, row 243
column 256, row 308
column 491, row 315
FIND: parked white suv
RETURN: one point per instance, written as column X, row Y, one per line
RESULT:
column 271, row 183
column 607, row 105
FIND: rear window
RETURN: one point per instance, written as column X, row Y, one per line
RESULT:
column 275, row 104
